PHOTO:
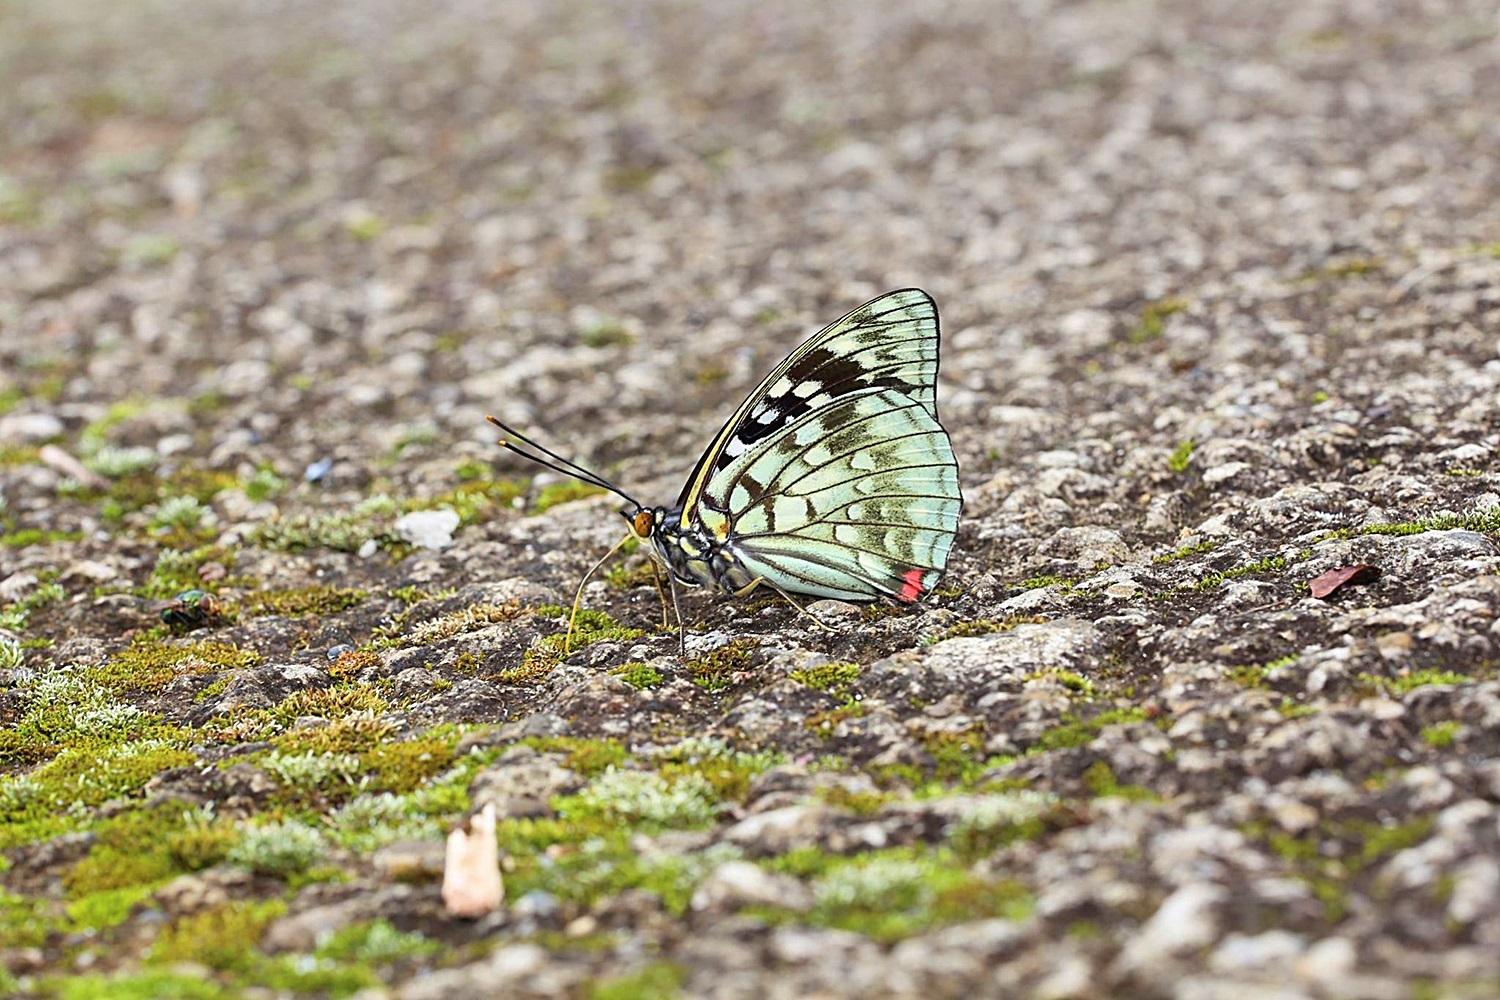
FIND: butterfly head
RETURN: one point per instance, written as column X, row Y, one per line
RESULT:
column 643, row 520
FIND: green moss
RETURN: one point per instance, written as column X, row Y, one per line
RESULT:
column 607, row 333
column 1103, row 784
column 1074, row 682
column 365, row 226
column 1185, row 551
column 85, row 776
column 1406, row 682
column 726, row 771
column 37, row 536
column 17, row 616
column 177, row 570
column 825, row 724
column 343, row 531
column 375, row 942
column 1181, row 457
column 201, row 843
column 836, row 678
column 1272, row 564
column 12, row 455
column 627, row 576
column 1046, row 580
column 1485, row 521
column 643, row 799
column 354, row 733
column 1440, row 735
column 150, row 665
column 402, row 766
column 26, row 922
column 555, row 493
column 894, row 894
column 330, row 703
column 279, row 849
column 148, row 250
column 1255, row 675
column 297, row 602
column 101, row 910
column 641, row 676
column 1153, row 319
column 999, row 819
column 1077, row 731
column 352, row 662
column 129, row 851
column 717, row 670
column 1330, row 858
column 582, row 862
column 546, row 653
column 655, row 981
column 477, row 500
column 149, row 984
column 67, row 708
column 587, row 757
column 984, row 626
column 1350, row 267
column 469, row 619
column 860, row 803
column 222, row 937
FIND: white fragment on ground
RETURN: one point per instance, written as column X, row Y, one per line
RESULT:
column 471, row 867
column 428, row 529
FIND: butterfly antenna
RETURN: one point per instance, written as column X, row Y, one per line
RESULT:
column 554, row 461
column 578, row 596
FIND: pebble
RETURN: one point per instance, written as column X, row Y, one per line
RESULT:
column 428, row 529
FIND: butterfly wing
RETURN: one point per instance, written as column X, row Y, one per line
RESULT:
column 889, row 342
column 856, row 500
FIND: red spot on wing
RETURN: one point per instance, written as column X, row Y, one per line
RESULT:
column 911, row 584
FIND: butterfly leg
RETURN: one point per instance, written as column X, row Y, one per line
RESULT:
column 677, row 610
column 750, row 587
column 661, row 592
column 578, row 596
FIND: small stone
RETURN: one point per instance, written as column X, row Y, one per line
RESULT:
column 428, row 529
column 410, row 860
column 833, row 609
column 1328, row 961
column 522, row 784
column 368, row 548
column 317, row 471
column 1244, row 952
column 29, row 427
column 1186, row 921
column 740, row 883
column 1221, row 474
column 334, row 652
column 71, row 467
column 17, row 585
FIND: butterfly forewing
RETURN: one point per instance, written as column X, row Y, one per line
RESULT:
column 890, row 342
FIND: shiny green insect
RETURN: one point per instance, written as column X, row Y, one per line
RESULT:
column 833, row 478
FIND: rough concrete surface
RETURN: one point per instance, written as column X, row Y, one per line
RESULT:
column 1220, row 291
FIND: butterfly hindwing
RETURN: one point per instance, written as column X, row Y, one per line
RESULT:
column 890, row 342
column 856, row 500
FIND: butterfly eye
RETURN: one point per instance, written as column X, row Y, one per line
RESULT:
column 644, row 523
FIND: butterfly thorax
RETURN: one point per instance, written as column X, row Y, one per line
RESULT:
column 695, row 556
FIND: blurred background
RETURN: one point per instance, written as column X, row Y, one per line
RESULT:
column 295, row 232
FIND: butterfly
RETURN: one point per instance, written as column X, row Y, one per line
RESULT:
column 833, row 479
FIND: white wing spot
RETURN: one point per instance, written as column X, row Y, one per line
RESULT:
column 807, row 389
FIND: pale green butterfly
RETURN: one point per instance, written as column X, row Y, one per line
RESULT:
column 833, row 478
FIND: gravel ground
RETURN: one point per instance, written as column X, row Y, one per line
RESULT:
column 1221, row 296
